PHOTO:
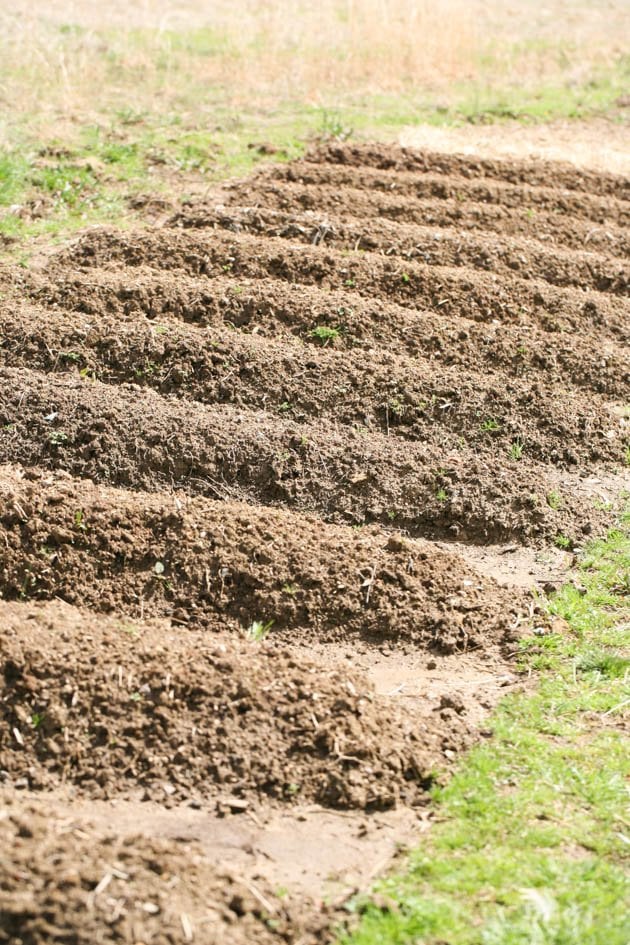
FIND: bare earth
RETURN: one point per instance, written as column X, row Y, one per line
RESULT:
column 359, row 406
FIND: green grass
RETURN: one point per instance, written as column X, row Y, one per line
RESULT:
column 531, row 834
column 91, row 173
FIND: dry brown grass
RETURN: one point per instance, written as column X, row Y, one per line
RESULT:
column 65, row 60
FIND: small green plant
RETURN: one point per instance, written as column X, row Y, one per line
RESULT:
column 516, row 450
column 57, row 438
column 284, row 406
column 289, row 589
column 607, row 663
column 490, row 425
column 561, row 541
column 554, row 500
column 258, row 630
column 406, row 278
column 396, row 406
column 70, row 356
column 36, row 719
column 79, row 520
column 324, row 334
column 441, row 495
column 136, row 696
column 350, row 283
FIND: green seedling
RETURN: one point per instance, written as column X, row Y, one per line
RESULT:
column 490, row 426
column 561, row 541
column 396, row 406
column 516, row 450
column 441, row 495
column 57, row 438
column 79, row 520
column 324, row 334
column 258, row 630
column 554, row 500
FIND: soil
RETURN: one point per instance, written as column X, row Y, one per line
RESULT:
column 155, row 712
column 63, row 882
column 197, row 561
column 279, row 471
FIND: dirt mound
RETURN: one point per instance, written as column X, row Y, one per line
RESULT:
column 146, row 329
column 479, row 296
column 532, row 173
column 561, row 230
column 60, row 882
column 194, row 560
column 120, row 708
column 440, row 186
column 529, row 258
column 139, row 439
column 246, row 422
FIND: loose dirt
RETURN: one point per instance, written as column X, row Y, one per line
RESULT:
column 278, row 474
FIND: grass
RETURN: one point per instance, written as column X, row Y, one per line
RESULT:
column 258, row 630
column 531, row 835
column 103, row 114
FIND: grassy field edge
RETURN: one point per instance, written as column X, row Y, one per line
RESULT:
column 104, row 170
column 530, row 836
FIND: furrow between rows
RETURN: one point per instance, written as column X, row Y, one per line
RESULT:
column 437, row 247
column 430, row 186
column 412, row 285
column 543, row 226
column 139, row 439
column 533, row 173
column 194, row 560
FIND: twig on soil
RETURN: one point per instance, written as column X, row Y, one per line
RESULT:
column 369, row 583
column 269, row 906
column 187, row 927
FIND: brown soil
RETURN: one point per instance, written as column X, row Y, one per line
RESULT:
column 479, row 296
column 550, row 227
column 527, row 257
column 111, row 311
column 62, row 882
column 532, row 173
column 115, row 708
column 314, row 405
column 139, row 439
column 100, row 547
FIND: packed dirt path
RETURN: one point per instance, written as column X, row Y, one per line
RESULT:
column 277, row 476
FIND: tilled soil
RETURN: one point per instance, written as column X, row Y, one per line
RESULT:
column 63, row 883
column 234, row 438
column 121, row 709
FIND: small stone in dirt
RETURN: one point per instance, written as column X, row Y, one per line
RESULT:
column 431, row 664
column 396, row 543
column 452, row 701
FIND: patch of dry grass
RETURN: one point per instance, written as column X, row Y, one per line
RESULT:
column 69, row 61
